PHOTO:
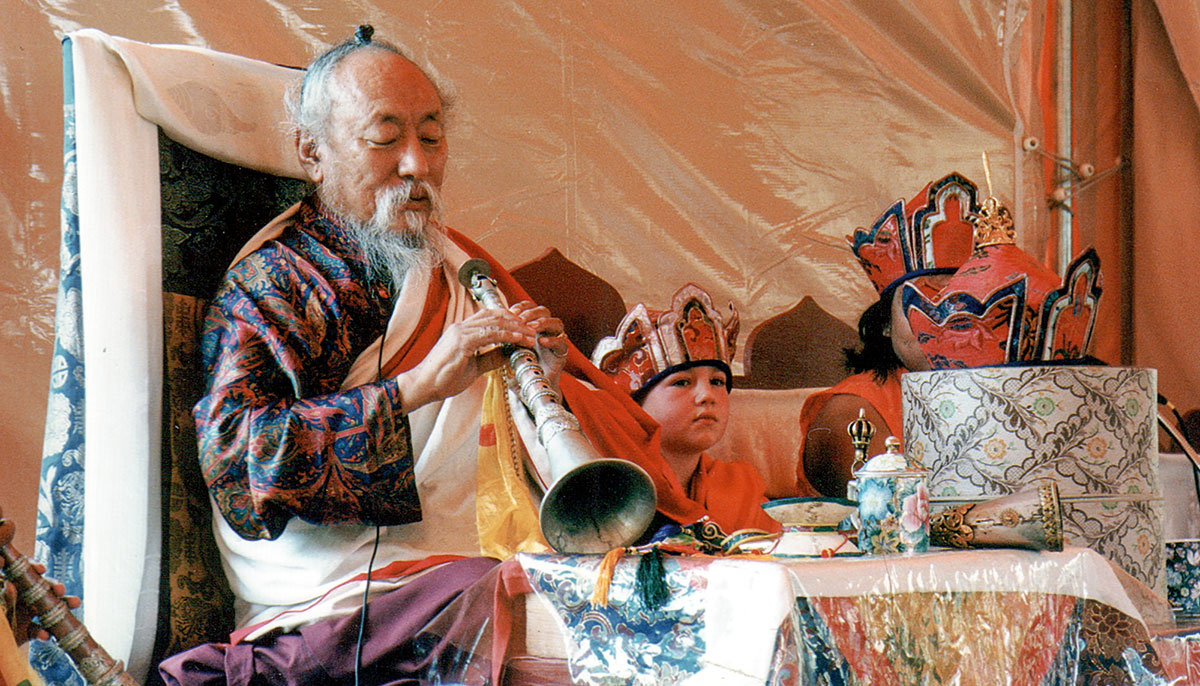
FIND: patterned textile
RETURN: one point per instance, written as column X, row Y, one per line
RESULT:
column 624, row 641
column 60, row 492
column 204, row 203
column 209, row 209
column 201, row 199
column 1091, row 430
column 277, row 437
column 978, row 638
column 196, row 603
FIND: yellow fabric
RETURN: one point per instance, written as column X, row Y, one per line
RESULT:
column 14, row 668
column 505, row 512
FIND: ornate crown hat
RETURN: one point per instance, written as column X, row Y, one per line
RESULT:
column 649, row 344
column 1003, row 306
column 930, row 234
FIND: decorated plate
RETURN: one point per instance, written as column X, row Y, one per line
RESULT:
column 815, row 511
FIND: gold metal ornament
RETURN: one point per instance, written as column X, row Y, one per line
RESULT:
column 993, row 225
column 861, row 432
column 1027, row 519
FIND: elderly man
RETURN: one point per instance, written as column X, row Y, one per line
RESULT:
column 354, row 399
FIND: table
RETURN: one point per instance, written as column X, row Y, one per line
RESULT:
column 965, row 617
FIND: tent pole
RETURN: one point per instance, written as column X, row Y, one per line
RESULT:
column 1063, row 104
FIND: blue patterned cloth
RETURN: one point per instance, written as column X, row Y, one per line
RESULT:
column 60, row 493
column 623, row 642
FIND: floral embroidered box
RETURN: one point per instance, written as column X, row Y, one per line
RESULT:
column 992, row 431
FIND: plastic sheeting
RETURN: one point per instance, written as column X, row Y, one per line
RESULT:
column 734, row 144
column 730, row 143
column 958, row 617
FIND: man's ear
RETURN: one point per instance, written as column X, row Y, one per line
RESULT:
column 308, row 151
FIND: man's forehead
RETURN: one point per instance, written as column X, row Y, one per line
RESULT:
column 382, row 78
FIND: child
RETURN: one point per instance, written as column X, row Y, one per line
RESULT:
column 675, row 364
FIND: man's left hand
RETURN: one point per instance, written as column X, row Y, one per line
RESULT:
column 552, row 344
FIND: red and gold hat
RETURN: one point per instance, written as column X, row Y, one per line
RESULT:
column 650, row 344
column 1002, row 306
column 931, row 234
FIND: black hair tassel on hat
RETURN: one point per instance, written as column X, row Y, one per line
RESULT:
column 362, row 35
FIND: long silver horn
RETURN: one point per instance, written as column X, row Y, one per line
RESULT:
column 594, row 503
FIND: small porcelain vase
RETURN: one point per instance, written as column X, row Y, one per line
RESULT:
column 893, row 504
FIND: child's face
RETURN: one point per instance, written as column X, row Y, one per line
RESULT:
column 692, row 407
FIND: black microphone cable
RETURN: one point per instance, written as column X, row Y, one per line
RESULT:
column 362, row 614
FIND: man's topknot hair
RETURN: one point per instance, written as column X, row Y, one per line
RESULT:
column 309, row 102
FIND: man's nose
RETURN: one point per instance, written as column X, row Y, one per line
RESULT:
column 706, row 393
column 413, row 159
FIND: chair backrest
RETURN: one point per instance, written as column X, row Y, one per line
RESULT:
column 800, row 348
column 589, row 307
column 209, row 209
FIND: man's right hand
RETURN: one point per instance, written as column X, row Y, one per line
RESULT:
column 465, row 350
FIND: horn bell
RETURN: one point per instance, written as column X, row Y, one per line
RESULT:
column 594, row 504
column 1031, row 519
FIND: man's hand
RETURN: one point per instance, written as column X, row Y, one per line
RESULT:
column 551, row 342
column 465, row 350
column 21, row 617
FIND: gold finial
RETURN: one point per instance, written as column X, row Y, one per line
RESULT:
column 987, row 173
column 993, row 223
column 861, row 431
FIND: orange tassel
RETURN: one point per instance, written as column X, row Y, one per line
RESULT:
column 604, row 576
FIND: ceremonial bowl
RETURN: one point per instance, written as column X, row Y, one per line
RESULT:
column 814, row 511
column 810, row 528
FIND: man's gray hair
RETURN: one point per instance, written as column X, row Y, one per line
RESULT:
column 309, row 100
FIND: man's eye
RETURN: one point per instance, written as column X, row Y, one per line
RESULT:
column 380, row 142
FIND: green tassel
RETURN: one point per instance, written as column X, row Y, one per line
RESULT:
column 651, row 580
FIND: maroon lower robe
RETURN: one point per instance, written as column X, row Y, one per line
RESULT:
column 435, row 629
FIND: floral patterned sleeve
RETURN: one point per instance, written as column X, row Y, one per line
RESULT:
column 277, row 437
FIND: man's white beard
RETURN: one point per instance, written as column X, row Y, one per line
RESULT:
column 395, row 240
